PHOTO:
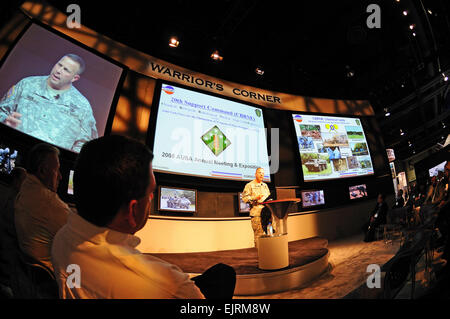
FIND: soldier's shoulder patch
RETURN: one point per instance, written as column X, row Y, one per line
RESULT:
column 9, row 93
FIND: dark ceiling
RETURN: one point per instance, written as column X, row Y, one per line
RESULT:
column 305, row 48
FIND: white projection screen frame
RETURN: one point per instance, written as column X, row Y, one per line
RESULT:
column 201, row 135
column 332, row 147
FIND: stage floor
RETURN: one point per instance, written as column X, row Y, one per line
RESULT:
column 348, row 260
column 245, row 261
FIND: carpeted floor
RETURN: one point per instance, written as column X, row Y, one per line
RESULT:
column 245, row 261
column 348, row 260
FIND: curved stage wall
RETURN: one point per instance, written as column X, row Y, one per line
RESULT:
column 132, row 117
column 183, row 235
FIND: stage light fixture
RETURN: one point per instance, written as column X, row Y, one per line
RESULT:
column 414, row 34
column 401, row 132
column 386, row 112
column 409, row 144
column 405, row 13
column 443, row 125
column 412, row 26
column 173, row 42
column 349, row 72
column 445, row 77
column 429, row 11
column 259, row 71
column 216, row 56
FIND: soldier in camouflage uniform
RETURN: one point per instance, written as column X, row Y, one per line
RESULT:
column 50, row 108
column 256, row 192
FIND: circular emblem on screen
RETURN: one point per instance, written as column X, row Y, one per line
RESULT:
column 332, row 127
column 168, row 89
column 298, row 118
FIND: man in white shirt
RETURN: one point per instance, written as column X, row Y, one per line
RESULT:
column 38, row 211
column 256, row 192
column 95, row 254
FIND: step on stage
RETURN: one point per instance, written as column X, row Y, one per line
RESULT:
column 308, row 259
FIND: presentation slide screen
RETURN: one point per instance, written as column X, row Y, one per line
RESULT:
column 177, row 199
column 312, row 198
column 438, row 168
column 55, row 90
column 206, row 136
column 331, row 147
column 357, row 191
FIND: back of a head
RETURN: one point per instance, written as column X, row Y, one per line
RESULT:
column 110, row 171
column 38, row 155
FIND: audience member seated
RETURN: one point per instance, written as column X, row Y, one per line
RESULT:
column 431, row 193
column 377, row 218
column 113, row 190
column 443, row 220
column 39, row 212
column 8, row 238
column 399, row 201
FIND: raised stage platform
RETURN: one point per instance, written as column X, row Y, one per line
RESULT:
column 308, row 259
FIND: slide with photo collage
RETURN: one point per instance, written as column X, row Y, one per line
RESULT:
column 332, row 147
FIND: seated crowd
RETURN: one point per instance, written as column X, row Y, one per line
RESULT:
column 113, row 188
column 416, row 205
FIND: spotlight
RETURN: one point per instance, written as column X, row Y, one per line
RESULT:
column 173, row 42
column 409, row 144
column 429, row 11
column 216, row 56
column 443, row 125
column 445, row 77
column 401, row 132
column 414, row 34
column 386, row 112
column 405, row 13
column 259, row 71
column 412, row 26
column 349, row 72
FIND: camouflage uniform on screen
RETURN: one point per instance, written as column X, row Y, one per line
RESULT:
column 63, row 118
column 251, row 191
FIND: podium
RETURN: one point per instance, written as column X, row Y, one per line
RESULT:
column 279, row 209
column 273, row 251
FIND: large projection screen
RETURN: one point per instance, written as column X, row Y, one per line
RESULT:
column 331, row 147
column 203, row 135
column 45, row 89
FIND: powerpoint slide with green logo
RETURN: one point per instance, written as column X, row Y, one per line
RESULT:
column 331, row 147
column 207, row 136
